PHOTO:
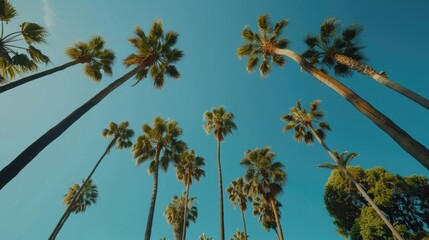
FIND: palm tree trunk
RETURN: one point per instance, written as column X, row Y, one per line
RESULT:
column 13, row 169
column 277, row 233
column 358, row 186
column 185, row 210
column 244, row 222
column 153, row 199
column 30, row 78
column 276, row 216
column 219, row 170
column 383, row 80
column 73, row 201
column 409, row 144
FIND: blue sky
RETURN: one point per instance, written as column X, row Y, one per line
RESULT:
column 395, row 35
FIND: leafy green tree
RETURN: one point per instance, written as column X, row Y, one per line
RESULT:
column 239, row 235
column 404, row 200
column 175, row 214
column 188, row 168
column 221, row 122
column 155, row 55
column 121, row 138
column 265, row 178
column 302, row 123
column 17, row 57
column 342, row 52
column 271, row 47
column 238, row 196
column 160, row 145
column 92, row 54
column 78, row 199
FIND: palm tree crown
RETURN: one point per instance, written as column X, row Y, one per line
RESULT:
column 94, row 56
column 156, row 52
column 237, row 194
column 174, row 213
column 219, row 120
column 7, row 11
column 162, row 136
column 87, row 196
column 262, row 45
column 189, row 167
column 121, row 133
column 344, row 159
column 300, row 121
column 323, row 47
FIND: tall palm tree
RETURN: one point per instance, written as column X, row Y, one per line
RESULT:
column 271, row 47
column 221, row 121
column 302, row 122
column 265, row 178
column 92, row 54
column 188, row 169
column 160, row 145
column 121, row 138
column 238, row 196
column 17, row 58
column 175, row 214
column 155, row 55
column 78, row 198
column 341, row 51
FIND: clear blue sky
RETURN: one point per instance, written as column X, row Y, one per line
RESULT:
column 396, row 37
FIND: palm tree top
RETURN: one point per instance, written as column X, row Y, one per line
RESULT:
column 262, row 44
column 121, row 132
column 299, row 119
column 330, row 41
column 88, row 196
column 94, row 56
column 219, row 120
column 344, row 159
column 237, row 193
column 189, row 167
column 163, row 136
column 7, row 11
column 175, row 210
column 156, row 53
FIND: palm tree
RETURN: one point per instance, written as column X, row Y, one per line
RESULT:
column 239, row 235
column 155, row 55
column 265, row 213
column 265, row 178
column 160, row 145
column 221, row 121
column 121, row 138
column 78, row 198
column 238, row 196
column 204, row 237
column 302, row 123
column 188, row 168
column 93, row 54
column 18, row 58
column 341, row 51
column 175, row 214
column 269, row 45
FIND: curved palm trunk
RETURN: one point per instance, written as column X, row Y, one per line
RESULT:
column 30, row 78
column 276, row 216
column 185, row 210
column 219, row 170
column 383, row 80
column 409, row 144
column 13, row 168
column 244, row 223
column 73, row 201
column 153, row 199
column 358, row 186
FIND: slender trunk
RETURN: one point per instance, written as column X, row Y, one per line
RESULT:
column 277, row 233
column 73, row 201
column 358, row 186
column 185, row 210
column 219, row 170
column 153, row 199
column 409, row 144
column 57, row 230
column 382, row 79
column 30, row 78
column 276, row 216
column 244, row 222
column 13, row 169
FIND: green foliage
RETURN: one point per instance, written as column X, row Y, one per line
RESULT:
column 174, row 213
column 87, row 196
column 7, row 11
column 260, row 46
column 155, row 54
column 204, row 237
column 237, row 194
column 121, row 133
column 239, row 235
column 219, row 120
column 189, row 167
column 404, row 200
